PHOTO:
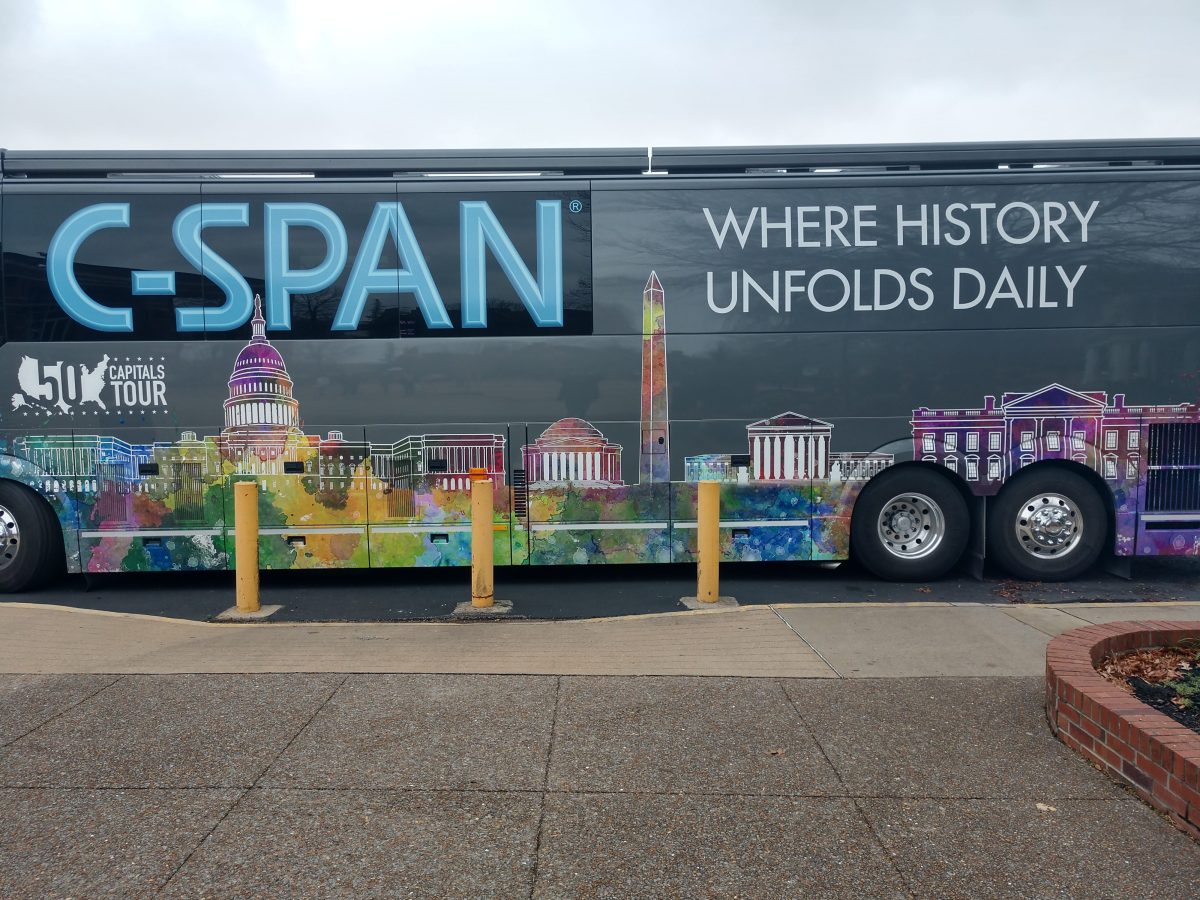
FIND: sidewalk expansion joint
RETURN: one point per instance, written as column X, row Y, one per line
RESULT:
column 200, row 843
column 240, row 797
column 842, row 782
column 888, row 853
column 64, row 710
column 807, row 644
column 537, row 846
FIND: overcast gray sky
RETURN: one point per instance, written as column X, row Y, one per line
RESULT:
column 357, row 73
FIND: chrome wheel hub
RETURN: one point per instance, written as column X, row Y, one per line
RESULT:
column 911, row 526
column 1049, row 525
column 10, row 538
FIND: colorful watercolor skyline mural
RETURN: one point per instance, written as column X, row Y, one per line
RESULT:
column 1149, row 456
column 328, row 501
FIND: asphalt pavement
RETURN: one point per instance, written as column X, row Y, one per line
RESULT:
column 567, row 592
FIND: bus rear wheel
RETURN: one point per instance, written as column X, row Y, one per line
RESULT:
column 1047, row 525
column 910, row 524
column 31, row 546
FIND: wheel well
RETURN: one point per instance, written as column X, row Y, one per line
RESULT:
column 953, row 477
column 42, row 501
column 46, row 505
column 1090, row 475
column 48, row 509
column 974, row 502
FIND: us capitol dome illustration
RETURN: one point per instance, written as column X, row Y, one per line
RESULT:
column 260, row 410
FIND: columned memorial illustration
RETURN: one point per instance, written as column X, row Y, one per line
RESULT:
column 572, row 451
column 788, row 447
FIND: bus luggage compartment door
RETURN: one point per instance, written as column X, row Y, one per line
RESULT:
column 766, row 489
column 759, row 521
column 419, row 497
column 581, row 507
column 312, row 497
column 151, row 500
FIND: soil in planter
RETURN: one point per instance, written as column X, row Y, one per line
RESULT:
column 1164, row 678
column 1160, row 696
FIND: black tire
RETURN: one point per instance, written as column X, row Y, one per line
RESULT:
column 33, row 552
column 1017, row 548
column 920, row 497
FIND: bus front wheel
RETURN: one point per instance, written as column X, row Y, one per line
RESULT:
column 31, row 545
column 1047, row 525
column 910, row 524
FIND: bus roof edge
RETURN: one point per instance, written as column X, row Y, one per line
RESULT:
column 323, row 163
column 1176, row 151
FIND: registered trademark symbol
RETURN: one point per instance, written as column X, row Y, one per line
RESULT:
column 576, row 206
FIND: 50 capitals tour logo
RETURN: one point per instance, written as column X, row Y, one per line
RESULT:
column 113, row 384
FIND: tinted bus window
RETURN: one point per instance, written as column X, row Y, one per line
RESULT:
column 103, row 263
column 331, row 260
column 996, row 254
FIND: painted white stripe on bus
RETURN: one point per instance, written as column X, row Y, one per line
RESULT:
column 115, row 532
column 645, row 526
column 597, row 526
column 754, row 523
column 419, row 529
column 315, row 530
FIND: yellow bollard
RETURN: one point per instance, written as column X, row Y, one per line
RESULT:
column 482, row 535
column 245, row 528
column 708, row 541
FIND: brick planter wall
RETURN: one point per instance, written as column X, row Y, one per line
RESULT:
column 1135, row 744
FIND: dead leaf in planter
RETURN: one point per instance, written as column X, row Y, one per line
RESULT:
column 1154, row 665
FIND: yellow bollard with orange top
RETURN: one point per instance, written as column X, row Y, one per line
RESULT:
column 708, row 541
column 708, row 549
column 482, row 508
column 245, row 557
column 245, row 529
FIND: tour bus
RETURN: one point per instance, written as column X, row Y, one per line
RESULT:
column 917, row 355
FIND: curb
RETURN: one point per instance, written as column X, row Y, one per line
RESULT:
column 449, row 619
column 1129, row 741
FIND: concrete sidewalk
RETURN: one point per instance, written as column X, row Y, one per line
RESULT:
column 509, row 786
column 854, row 640
column 338, row 775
